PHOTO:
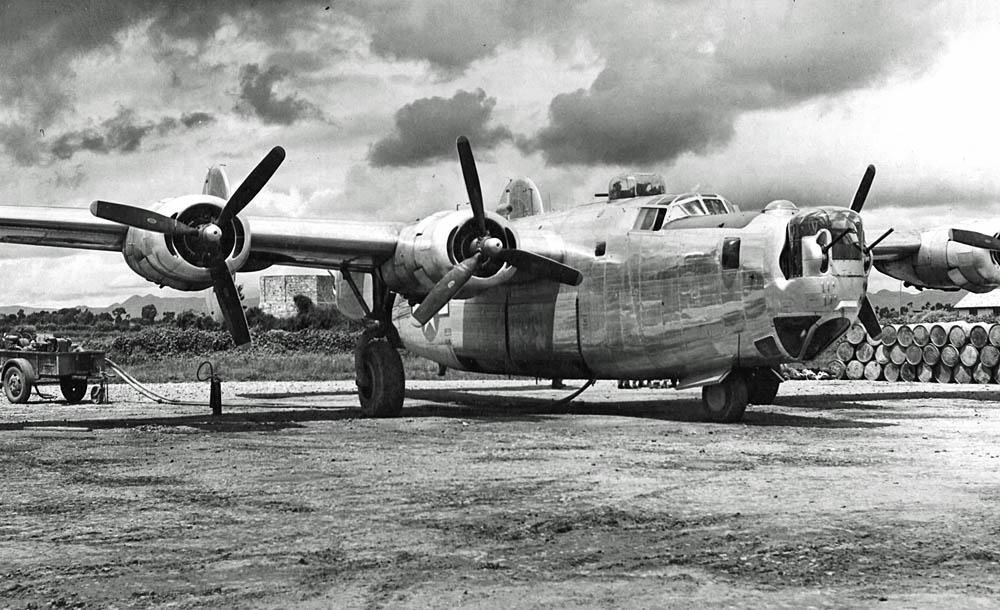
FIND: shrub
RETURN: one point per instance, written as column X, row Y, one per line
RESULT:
column 166, row 341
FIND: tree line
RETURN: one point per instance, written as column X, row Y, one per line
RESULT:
column 307, row 315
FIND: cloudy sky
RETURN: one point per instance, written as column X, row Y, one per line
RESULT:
column 133, row 100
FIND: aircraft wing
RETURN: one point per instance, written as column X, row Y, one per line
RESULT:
column 965, row 256
column 328, row 244
column 896, row 246
column 324, row 243
column 60, row 227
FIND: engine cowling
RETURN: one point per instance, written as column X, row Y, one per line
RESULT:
column 429, row 248
column 945, row 264
column 170, row 261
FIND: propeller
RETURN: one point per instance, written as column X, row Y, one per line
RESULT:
column 866, row 313
column 485, row 248
column 863, row 188
column 206, row 239
column 140, row 218
column 975, row 239
column 869, row 319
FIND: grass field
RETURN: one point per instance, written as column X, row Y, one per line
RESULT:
column 302, row 366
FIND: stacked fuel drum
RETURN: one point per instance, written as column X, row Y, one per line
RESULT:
column 947, row 352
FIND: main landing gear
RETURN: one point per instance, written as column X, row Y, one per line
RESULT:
column 726, row 402
column 378, row 367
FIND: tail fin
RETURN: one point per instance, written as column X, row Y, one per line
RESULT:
column 216, row 183
column 521, row 198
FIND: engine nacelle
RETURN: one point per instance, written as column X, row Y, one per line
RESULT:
column 171, row 261
column 944, row 264
column 429, row 248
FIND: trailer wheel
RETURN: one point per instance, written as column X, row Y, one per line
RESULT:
column 382, row 395
column 73, row 389
column 725, row 402
column 18, row 380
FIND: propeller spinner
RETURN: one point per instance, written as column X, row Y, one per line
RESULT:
column 207, row 238
column 484, row 248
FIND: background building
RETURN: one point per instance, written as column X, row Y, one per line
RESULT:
column 979, row 304
column 278, row 291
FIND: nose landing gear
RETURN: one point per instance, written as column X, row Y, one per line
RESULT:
column 725, row 402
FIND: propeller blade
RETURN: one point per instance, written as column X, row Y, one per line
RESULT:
column 869, row 319
column 444, row 290
column 542, row 266
column 974, row 239
column 472, row 182
column 229, row 302
column 140, row 218
column 863, row 188
column 251, row 185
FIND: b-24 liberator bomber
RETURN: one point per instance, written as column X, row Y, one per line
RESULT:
column 640, row 285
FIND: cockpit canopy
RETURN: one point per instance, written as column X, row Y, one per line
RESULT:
column 632, row 184
column 658, row 212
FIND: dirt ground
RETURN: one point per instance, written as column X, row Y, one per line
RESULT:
column 485, row 495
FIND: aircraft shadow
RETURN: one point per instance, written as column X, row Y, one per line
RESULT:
column 352, row 391
column 468, row 405
column 480, row 404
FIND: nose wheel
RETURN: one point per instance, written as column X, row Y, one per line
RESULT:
column 725, row 402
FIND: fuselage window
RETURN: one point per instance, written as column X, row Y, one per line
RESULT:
column 731, row 253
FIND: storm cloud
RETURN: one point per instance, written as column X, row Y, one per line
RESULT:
column 680, row 79
column 451, row 34
column 426, row 129
column 40, row 41
column 122, row 133
column 257, row 92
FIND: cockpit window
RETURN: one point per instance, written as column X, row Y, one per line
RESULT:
column 674, row 207
column 715, row 206
column 834, row 234
column 650, row 219
column 693, row 208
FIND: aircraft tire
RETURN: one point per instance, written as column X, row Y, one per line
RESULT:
column 724, row 403
column 763, row 387
column 383, row 396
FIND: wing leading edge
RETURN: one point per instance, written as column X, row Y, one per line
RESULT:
column 326, row 244
column 59, row 227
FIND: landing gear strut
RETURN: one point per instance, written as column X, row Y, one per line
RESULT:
column 378, row 367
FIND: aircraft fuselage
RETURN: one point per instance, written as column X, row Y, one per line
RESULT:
column 688, row 301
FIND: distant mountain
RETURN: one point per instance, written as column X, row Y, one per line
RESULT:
column 134, row 304
column 893, row 299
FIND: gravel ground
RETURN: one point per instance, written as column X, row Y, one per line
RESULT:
column 487, row 495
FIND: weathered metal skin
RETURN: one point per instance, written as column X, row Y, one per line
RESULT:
column 944, row 264
column 657, row 304
column 148, row 254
